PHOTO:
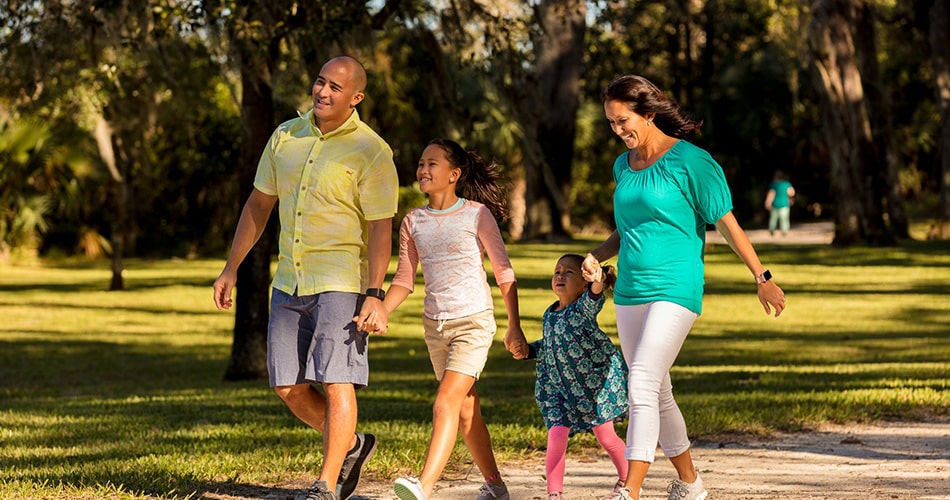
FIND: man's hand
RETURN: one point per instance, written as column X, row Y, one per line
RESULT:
column 222, row 289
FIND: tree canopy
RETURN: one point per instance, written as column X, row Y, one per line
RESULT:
column 135, row 130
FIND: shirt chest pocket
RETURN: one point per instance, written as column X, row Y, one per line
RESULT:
column 333, row 181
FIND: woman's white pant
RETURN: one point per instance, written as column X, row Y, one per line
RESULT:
column 651, row 336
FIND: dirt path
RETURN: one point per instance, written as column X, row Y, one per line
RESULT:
column 806, row 233
column 893, row 461
column 884, row 461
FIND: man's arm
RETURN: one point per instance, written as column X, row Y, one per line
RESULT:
column 250, row 226
column 373, row 316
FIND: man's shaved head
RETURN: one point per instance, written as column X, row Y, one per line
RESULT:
column 357, row 71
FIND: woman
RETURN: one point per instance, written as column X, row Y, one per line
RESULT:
column 667, row 191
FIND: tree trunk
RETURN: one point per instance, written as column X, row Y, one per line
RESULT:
column 885, row 171
column 546, row 104
column 940, row 59
column 252, row 303
column 850, row 146
column 122, row 222
column 560, row 63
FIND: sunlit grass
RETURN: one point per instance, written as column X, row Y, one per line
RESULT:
column 120, row 394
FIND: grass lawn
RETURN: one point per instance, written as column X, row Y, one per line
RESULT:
column 120, row 394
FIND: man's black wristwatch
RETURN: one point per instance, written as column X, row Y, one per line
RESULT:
column 379, row 293
column 762, row 278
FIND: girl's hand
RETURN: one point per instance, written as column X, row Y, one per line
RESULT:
column 516, row 343
column 771, row 295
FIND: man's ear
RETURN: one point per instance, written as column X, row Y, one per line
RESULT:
column 357, row 98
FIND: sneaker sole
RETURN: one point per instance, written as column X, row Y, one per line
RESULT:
column 358, row 468
column 405, row 493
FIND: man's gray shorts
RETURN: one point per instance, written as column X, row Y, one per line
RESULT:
column 314, row 339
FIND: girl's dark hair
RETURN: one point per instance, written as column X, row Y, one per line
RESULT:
column 644, row 98
column 610, row 275
column 478, row 181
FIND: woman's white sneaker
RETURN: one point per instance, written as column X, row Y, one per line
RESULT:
column 681, row 490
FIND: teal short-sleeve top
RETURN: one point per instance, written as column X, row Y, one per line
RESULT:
column 661, row 213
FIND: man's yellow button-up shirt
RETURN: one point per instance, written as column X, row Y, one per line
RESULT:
column 329, row 186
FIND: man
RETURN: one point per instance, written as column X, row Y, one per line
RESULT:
column 335, row 185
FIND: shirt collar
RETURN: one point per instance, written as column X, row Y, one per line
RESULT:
column 351, row 124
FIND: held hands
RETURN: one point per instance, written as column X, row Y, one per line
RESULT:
column 373, row 317
column 591, row 269
column 771, row 295
column 516, row 343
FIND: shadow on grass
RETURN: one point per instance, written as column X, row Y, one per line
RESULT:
column 908, row 253
column 94, row 284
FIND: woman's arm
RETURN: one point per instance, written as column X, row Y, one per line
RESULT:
column 769, row 293
column 609, row 248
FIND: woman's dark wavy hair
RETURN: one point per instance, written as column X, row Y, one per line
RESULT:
column 478, row 181
column 610, row 275
column 644, row 98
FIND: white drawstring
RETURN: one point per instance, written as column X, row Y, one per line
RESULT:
column 441, row 324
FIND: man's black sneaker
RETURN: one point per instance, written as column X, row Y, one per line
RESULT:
column 353, row 465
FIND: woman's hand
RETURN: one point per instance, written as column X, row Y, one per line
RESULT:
column 591, row 268
column 770, row 295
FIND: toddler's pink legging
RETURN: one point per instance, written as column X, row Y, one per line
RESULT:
column 557, row 450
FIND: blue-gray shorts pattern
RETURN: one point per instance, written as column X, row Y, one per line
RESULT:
column 313, row 339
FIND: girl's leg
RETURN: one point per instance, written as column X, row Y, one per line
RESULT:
column 651, row 336
column 476, row 437
column 555, row 457
column 612, row 444
column 454, row 391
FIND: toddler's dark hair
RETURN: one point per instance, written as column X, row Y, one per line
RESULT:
column 610, row 275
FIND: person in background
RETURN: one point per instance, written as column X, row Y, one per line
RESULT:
column 449, row 237
column 581, row 376
column 667, row 191
column 778, row 202
column 334, row 182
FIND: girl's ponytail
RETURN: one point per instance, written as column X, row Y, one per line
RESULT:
column 481, row 183
column 610, row 277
